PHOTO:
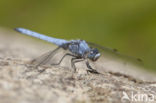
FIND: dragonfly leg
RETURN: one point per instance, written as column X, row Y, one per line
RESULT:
column 90, row 69
column 75, row 60
column 68, row 54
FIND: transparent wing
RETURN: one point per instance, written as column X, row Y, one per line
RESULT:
column 118, row 64
column 102, row 47
column 113, row 62
column 114, row 54
column 43, row 59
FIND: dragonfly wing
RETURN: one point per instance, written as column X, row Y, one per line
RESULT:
column 114, row 62
column 102, row 47
column 113, row 53
column 43, row 59
column 118, row 64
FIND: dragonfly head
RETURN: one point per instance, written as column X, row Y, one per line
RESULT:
column 94, row 54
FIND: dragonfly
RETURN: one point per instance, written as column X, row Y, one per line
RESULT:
column 79, row 49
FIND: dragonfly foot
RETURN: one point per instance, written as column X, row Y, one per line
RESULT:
column 92, row 71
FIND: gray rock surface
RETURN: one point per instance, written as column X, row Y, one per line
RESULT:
column 20, row 82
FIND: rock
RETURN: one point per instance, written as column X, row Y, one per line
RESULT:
column 20, row 82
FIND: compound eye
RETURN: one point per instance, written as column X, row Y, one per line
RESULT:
column 97, row 56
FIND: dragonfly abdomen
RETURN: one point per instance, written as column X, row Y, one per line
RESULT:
column 56, row 41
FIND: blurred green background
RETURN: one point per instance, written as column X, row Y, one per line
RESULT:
column 128, row 25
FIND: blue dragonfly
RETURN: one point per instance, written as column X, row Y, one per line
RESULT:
column 79, row 50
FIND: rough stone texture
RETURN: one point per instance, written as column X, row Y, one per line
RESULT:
column 20, row 82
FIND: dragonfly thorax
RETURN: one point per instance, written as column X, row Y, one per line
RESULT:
column 79, row 47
